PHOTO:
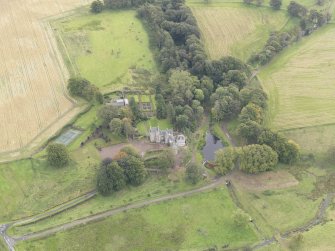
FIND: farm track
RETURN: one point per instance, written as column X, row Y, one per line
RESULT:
column 100, row 216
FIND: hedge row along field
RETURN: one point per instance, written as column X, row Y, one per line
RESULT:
column 32, row 94
column 236, row 29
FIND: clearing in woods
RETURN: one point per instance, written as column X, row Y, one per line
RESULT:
column 300, row 83
column 236, row 29
column 33, row 99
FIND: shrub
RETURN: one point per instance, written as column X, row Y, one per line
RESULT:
column 193, row 173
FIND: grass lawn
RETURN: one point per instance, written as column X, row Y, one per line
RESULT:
column 144, row 126
column 192, row 223
column 300, row 83
column 282, row 209
column 104, row 48
column 3, row 246
column 236, row 29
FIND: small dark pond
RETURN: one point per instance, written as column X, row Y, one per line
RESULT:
column 212, row 145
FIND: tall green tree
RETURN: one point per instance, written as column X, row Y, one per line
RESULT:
column 134, row 170
column 225, row 160
column 183, row 85
column 97, row 6
column 110, row 178
column 160, row 107
column 276, row 4
column 116, row 126
column 81, row 87
column 193, row 173
column 57, row 155
column 257, row 158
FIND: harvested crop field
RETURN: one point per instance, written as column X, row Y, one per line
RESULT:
column 235, row 29
column 32, row 76
column 300, row 83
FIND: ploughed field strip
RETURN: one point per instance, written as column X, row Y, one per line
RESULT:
column 32, row 90
column 301, row 83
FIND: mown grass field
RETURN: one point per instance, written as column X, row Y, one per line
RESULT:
column 104, row 48
column 300, row 83
column 235, row 28
column 192, row 223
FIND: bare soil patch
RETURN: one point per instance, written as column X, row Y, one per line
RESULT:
column 264, row 181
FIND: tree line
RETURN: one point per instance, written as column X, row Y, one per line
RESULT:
column 310, row 20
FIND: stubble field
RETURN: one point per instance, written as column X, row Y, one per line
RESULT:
column 32, row 90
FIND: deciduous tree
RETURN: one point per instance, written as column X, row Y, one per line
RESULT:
column 57, row 155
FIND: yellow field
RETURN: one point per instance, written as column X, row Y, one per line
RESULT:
column 33, row 99
column 235, row 29
column 301, row 83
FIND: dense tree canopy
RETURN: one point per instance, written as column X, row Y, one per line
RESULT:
column 225, row 160
column 275, row 4
column 287, row 150
column 226, row 103
column 81, row 87
column 110, row 178
column 57, row 155
column 257, row 158
column 134, row 170
column 193, row 173
column 97, row 6
column 296, row 10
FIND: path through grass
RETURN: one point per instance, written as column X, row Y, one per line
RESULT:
column 196, row 222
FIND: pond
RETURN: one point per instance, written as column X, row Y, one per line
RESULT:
column 212, row 145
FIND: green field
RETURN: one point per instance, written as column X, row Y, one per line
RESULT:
column 281, row 209
column 236, row 29
column 300, row 83
column 29, row 187
column 192, row 223
column 316, row 139
column 104, row 48
column 152, row 188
